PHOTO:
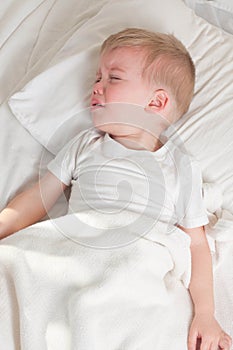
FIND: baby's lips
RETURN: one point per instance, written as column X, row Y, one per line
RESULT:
column 96, row 102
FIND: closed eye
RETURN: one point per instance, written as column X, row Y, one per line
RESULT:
column 98, row 80
column 113, row 77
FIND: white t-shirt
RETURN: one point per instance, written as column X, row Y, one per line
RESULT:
column 165, row 185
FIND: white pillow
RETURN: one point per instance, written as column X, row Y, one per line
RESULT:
column 63, row 90
column 217, row 12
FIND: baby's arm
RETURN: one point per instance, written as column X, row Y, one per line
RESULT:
column 31, row 205
column 204, row 324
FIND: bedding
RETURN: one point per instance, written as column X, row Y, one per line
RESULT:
column 43, row 110
column 217, row 12
column 80, row 290
column 27, row 32
column 48, row 58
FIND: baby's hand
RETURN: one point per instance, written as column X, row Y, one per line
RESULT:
column 206, row 328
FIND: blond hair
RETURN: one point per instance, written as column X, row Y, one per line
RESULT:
column 167, row 62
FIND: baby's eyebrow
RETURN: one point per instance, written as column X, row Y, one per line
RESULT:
column 115, row 68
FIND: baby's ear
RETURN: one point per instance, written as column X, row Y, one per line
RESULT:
column 158, row 102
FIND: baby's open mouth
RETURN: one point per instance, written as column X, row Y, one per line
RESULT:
column 96, row 105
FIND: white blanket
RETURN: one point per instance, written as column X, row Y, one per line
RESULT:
column 60, row 292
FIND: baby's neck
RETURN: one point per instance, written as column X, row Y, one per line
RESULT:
column 150, row 144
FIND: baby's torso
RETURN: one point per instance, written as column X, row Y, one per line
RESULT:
column 110, row 178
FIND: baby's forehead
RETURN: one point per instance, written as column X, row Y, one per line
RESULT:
column 123, row 52
column 122, row 58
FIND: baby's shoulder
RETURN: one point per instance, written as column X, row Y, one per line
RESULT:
column 181, row 159
column 86, row 138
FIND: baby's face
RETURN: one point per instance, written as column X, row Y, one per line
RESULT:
column 119, row 80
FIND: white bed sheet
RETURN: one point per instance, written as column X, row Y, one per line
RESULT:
column 20, row 154
column 63, row 88
column 25, row 40
column 217, row 12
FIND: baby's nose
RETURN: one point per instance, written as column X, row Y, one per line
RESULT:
column 98, row 89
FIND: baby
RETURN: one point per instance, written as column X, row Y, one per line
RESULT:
column 144, row 83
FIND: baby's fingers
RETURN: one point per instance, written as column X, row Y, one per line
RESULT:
column 192, row 340
column 225, row 342
column 214, row 346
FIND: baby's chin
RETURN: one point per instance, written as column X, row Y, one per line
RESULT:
column 112, row 129
column 123, row 120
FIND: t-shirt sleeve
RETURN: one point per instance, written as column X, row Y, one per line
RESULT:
column 63, row 166
column 190, row 210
